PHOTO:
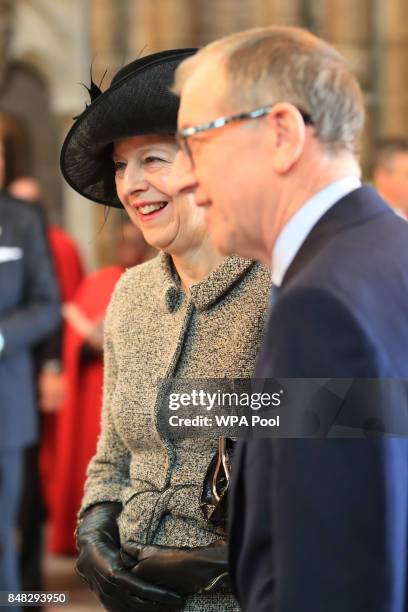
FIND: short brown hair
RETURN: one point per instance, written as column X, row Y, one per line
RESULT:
column 276, row 64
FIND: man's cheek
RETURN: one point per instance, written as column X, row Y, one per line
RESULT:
column 207, row 218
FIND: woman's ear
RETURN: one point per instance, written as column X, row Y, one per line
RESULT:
column 286, row 136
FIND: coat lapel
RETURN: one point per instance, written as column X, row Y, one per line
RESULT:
column 356, row 207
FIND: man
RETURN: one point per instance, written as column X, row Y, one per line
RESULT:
column 269, row 128
column 39, row 461
column 29, row 310
column 390, row 173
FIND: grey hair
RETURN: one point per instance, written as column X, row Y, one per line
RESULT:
column 284, row 64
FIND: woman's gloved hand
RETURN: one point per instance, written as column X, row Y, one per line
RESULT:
column 185, row 570
column 101, row 566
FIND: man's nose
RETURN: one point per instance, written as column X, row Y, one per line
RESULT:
column 181, row 178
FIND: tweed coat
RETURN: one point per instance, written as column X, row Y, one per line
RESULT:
column 153, row 331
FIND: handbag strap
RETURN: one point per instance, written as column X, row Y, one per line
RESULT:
column 222, row 460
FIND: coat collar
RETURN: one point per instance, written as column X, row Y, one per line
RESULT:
column 209, row 290
column 356, row 207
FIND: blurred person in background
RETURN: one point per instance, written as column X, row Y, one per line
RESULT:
column 29, row 311
column 390, row 173
column 39, row 473
column 79, row 418
column 144, row 542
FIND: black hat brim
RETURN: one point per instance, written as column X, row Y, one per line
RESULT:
column 138, row 103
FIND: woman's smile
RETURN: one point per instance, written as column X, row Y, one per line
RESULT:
column 149, row 210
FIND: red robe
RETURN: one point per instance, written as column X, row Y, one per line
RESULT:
column 69, row 273
column 67, row 262
column 79, row 418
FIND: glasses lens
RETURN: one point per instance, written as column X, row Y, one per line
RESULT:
column 184, row 147
column 180, row 142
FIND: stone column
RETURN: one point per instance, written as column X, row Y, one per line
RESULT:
column 79, row 214
column 218, row 18
column 6, row 27
column 161, row 24
column 349, row 29
column 391, row 54
column 280, row 12
column 108, row 33
column 108, row 24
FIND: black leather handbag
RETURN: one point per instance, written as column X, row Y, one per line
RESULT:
column 216, row 484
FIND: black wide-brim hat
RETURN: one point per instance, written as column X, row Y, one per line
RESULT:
column 138, row 101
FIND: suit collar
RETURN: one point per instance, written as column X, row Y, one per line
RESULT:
column 296, row 230
column 356, row 207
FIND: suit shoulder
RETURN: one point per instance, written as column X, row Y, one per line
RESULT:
column 19, row 207
column 320, row 311
column 297, row 294
column 21, row 214
column 312, row 332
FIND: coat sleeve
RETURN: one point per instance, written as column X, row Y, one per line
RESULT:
column 338, row 507
column 108, row 471
column 40, row 312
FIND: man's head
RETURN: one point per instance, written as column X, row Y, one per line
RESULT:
column 253, row 173
column 26, row 188
column 390, row 172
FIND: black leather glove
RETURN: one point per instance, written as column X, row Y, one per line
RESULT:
column 101, row 566
column 185, row 570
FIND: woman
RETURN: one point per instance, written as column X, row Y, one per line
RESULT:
column 79, row 417
column 187, row 314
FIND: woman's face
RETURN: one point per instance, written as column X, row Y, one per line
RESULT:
column 142, row 167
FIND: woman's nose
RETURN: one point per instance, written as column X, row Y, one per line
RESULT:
column 135, row 179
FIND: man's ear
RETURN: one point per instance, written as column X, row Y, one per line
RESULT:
column 286, row 136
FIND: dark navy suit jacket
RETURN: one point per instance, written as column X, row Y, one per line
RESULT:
column 321, row 525
column 29, row 310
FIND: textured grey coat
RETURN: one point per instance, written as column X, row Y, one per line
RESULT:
column 152, row 331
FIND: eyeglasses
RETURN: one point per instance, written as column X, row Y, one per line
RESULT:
column 183, row 135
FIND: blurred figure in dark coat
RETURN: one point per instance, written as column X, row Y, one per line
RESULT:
column 29, row 310
column 39, row 461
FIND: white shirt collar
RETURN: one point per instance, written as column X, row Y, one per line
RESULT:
column 295, row 232
column 401, row 213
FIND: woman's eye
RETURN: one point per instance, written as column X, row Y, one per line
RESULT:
column 119, row 166
column 154, row 159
